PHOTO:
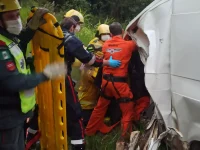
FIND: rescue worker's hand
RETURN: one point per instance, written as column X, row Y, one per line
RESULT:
column 114, row 63
column 55, row 70
column 37, row 19
column 99, row 55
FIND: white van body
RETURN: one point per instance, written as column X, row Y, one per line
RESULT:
column 168, row 38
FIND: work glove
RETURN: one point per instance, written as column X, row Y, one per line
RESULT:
column 114, row 63
column 37, row 19
column 99, row 54
column 55, row 70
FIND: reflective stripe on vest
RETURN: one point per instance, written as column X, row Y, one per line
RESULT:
column 29, row 50
column 27, row 97
column 29, row 54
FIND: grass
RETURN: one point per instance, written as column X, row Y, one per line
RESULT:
column 103, row 142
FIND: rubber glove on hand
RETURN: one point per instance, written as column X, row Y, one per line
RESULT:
column 37, row 19
column 55, row 70
column 114, row 63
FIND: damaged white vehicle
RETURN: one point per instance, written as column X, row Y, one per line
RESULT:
column 167, row 33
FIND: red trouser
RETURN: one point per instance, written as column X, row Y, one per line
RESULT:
column 96, row 120
column 140, row 105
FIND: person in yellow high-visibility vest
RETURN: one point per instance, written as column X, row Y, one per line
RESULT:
column 17, row 96
column 88, row 92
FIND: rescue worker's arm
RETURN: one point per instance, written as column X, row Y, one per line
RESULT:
column 12, row 80
column 75, row 48
column 25, row 37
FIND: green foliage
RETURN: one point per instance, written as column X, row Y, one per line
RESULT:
column 24, row 14
column 95, row 12
column 75, row 4
column 86, row 35
column 121, row 10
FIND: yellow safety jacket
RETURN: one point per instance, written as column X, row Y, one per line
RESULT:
column 27, row 97
column 88, row 93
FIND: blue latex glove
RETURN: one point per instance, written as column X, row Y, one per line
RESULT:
column 114, row 63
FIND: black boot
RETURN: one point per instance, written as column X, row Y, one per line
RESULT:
column 78, row 147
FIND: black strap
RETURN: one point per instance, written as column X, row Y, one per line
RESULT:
column 56, row 24
column 103, row 89
column 106, row 96
column 112, row 80
column 124, row 100
column 59, row 46
column 110, row 77
column 102, row 92
column 44, row 49
column 41, row 30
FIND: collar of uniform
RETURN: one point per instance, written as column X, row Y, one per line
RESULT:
column 8, row 35
column 65, row 30
column 117, row 37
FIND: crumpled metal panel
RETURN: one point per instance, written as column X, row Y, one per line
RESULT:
column 172, row 30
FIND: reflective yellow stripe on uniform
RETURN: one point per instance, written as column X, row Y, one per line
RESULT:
column 27, row 97
column 29, row 53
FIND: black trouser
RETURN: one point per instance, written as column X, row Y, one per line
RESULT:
column 114, row 112
column 33, row 122
column 75, row 127
column 12, row 139
column 86, row 113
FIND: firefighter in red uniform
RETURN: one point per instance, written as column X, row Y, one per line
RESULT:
column 114, row 84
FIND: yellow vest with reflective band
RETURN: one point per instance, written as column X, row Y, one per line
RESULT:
column 27, row 97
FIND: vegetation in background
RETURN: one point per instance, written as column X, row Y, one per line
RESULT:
column 95, row 12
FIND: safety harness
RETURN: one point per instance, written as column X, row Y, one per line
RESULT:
column 111, row 78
